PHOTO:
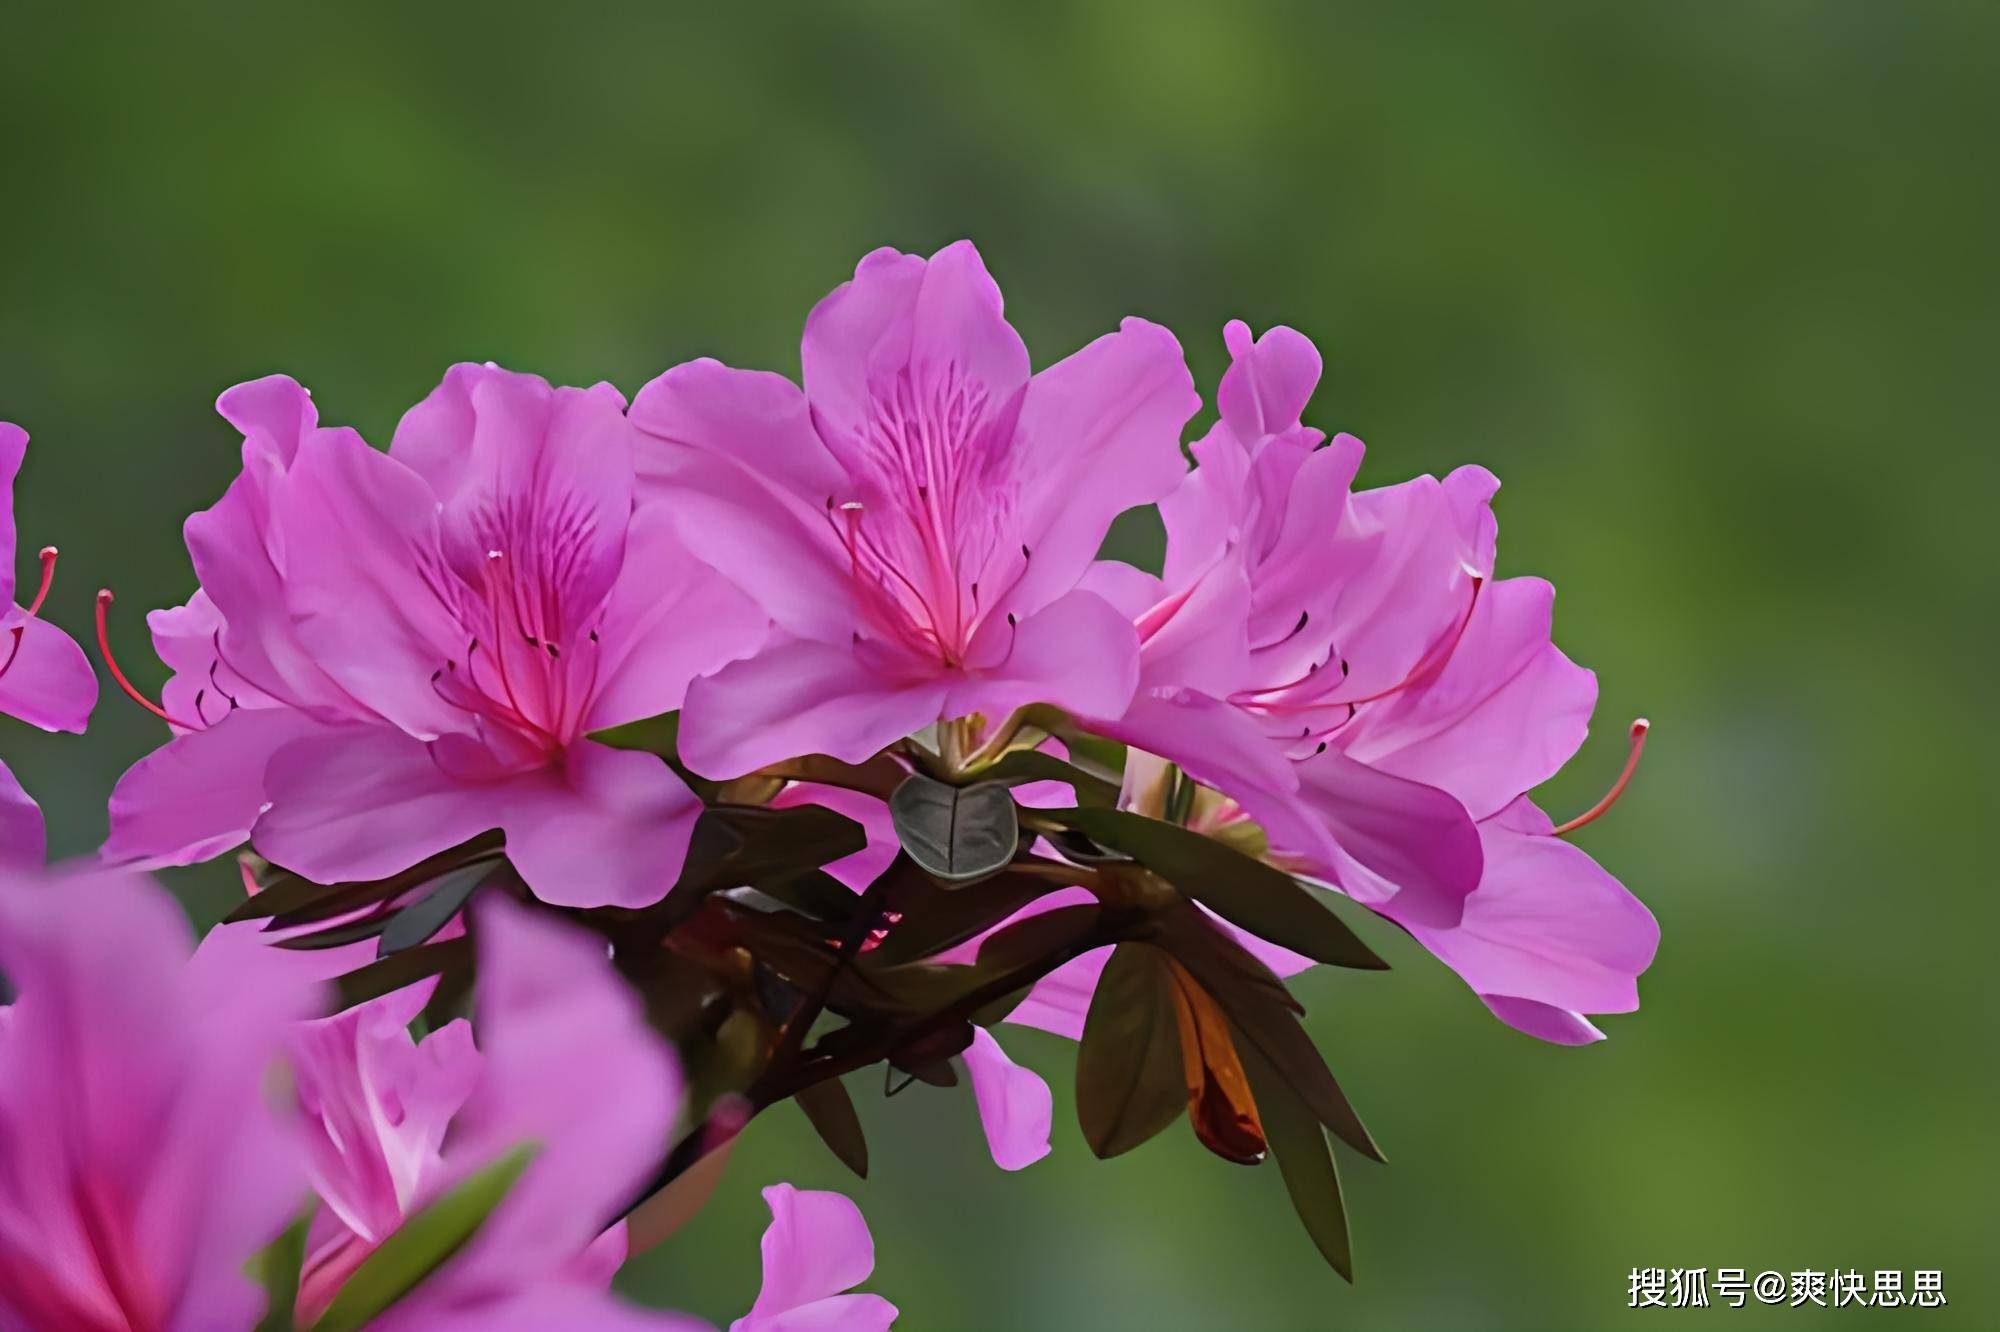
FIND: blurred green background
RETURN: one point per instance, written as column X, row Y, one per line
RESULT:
column 1711, row 287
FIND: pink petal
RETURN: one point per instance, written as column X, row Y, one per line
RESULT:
column 50, row 684
column 903, row 313
column 755, row 418
column 1269, row 381
column 605, row 827
column 1061, row 999
column 1016, row 1107
column 816, row 1247
column 670, row 619
column 1504, row 714
column 505, row 453
column 1099, row 433
column 1547, row 926
column 121, row 1060
column 275, row 415
column 799, row 697
column 21, row 837
column 13, row 450
column 570, row 1064
column 362, row 802
column 361, row 529
column 859, row 869
column 199, row 794
column 1077, row 653
column 839, row 1313
column 1397, row 840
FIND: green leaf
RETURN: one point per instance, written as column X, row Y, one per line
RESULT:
column 297, row 900
column 1248, row 893
column 277, row 1267
column 1305, row 1158
column 422, row 1244
column 955, row 833
column 934, row 918
column 653, row 735
column 831, row 1112
column 739, row 845
column 400, row 969
column 418, row 921
column 1033, row 765
column 1264, row 1012
column 1130, row 1083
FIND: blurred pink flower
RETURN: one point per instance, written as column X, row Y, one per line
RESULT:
column 816, row 1249
column 392, row 653
column 140, row 1165
column 564, row 1060
column 916, row 520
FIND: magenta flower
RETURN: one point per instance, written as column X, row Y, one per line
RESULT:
column 917, row 520
column 140, row 1165
column 393, row 653
column 45, row 680
column 816, row 1249
column 1345, row 668
column 564, row 1060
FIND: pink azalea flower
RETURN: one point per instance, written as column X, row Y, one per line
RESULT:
column 390, row 654
column 140, row 1164
column 816, row 1248
column 564, row 1060
column 45, row 680
column 916, row 520
column 1346, row 668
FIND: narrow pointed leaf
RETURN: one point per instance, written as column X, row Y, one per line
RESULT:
column 1128, row 1064
column 831, row 1112
column 277, row 1268
column 421, row 1244
column 1248, row 893
column 393, row 973
column 1252, row 1003
column 421, row 919
column 955, row 833
column 1305, row 1159
column 934, row 918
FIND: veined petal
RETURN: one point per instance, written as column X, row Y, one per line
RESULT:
column 605, row 827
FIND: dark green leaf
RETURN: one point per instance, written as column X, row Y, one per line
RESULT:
column 418, row 921
column 831, row 1112
column 934, row 918
column 955, row 833
column 1266, row 901
column 654, row 735
column 277, row 1267
column 1130, row 1083
column 421, row 1244
column 298, row 900
column 393, row 973
column 1257, row 1003
column 1033, row 765
column 746, row 844
column 814, row 893
column 1305, row 1158
column 335, row 936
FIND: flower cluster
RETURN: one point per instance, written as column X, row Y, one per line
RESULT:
column 706, row 749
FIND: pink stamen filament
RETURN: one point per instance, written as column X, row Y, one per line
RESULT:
column 1603, row 807
column 104, row 600
column 48, row 577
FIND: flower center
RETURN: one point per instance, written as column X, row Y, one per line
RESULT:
column 930, row 464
